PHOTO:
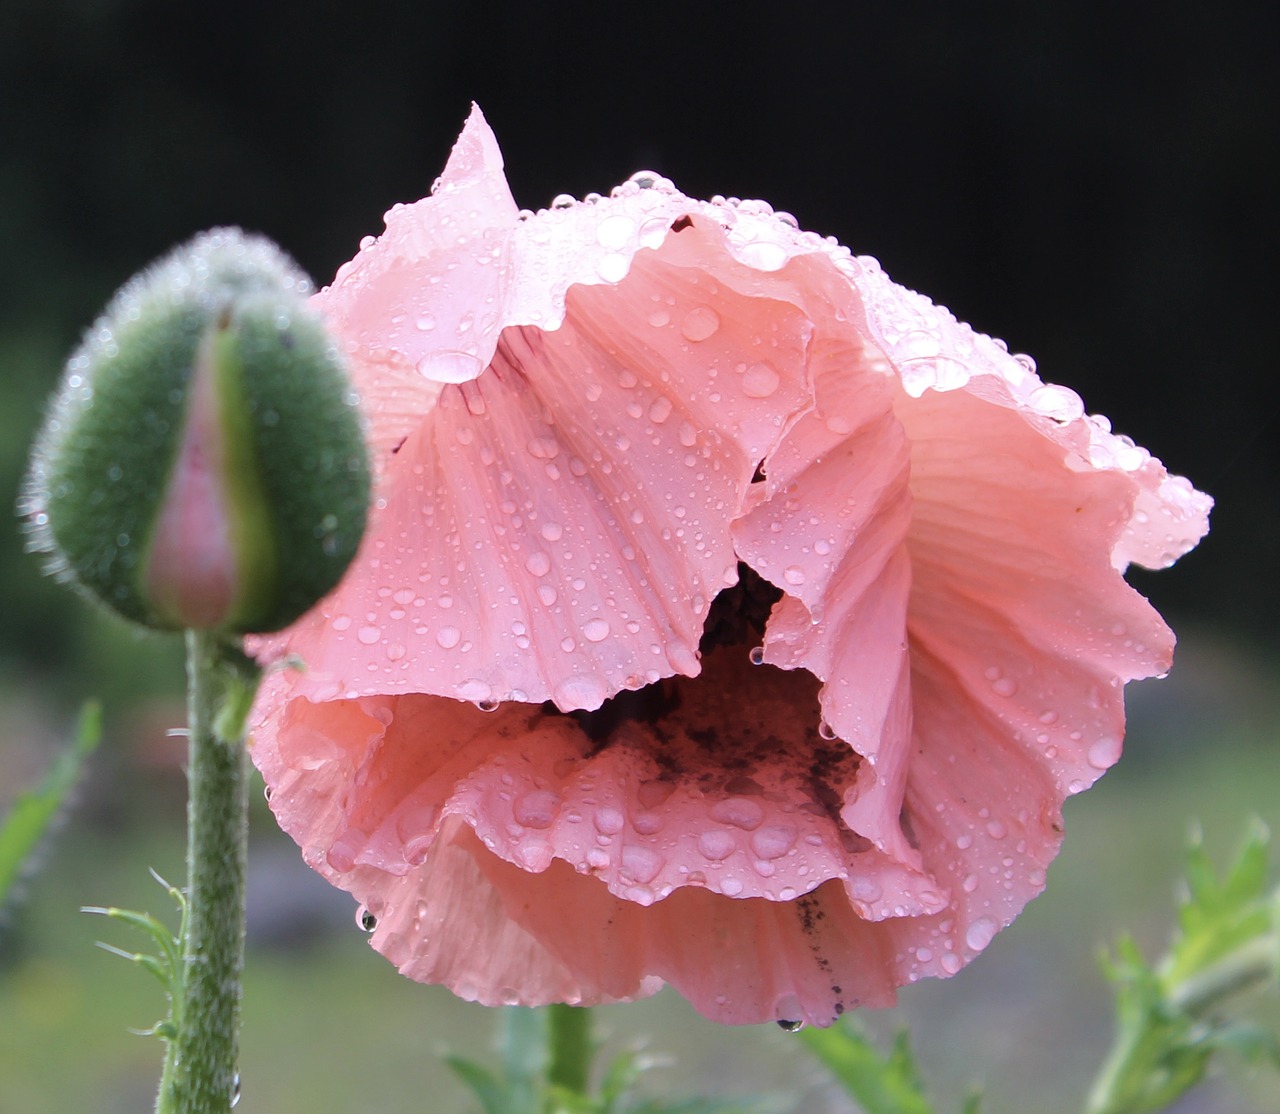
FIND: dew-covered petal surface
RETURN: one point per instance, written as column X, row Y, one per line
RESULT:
column 728, row 616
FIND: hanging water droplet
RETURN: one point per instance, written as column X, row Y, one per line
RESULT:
column 489, row 704
column 790, row 1026
column 366, row 920
column 235, row 1088
column 826, row 731
column 756, row 656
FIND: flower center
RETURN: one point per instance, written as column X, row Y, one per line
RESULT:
column 738, row 729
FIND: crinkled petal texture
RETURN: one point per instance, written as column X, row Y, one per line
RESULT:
column 728, row 617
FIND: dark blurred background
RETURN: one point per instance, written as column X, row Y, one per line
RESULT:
column 1094, row 183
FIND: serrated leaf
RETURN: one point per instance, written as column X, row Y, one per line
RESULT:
column 1169, row 1020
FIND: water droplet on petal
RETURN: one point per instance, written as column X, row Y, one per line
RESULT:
column 760, row 381
column 741, row 812
column 763, row 255
column 756, row 656
column 449, row 366
column 608, row 820
column 716, row 844
column 369, row 635
column 448, row 637
column 536, row 809
column 538, row 564
column 790, row 1026
column 980, row 933
column 699, row 323
column 660, row 411
column 1105, row 752
column 596, row 630
column 366, row 920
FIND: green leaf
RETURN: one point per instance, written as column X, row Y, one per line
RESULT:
column 484, row 1085
column 32, row 813
column 1170, row 1016
column 880, row 1084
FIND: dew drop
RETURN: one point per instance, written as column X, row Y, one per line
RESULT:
column 536, row 809
column 760, row 381
column 826, row 731
column 1104, row 753
column 756, row 656
column 552, row 531
column 449, row 366
column 488, row 704
column 660, row 411
column 1004, row 686
column 773, row 841
column 608, row 820
column 366, row 920
column 538, row 564
column 448, row 637
column 793, row 574
column 763, row 255
column 980, row 933
column 596, row 630
column 790, row 1026
column 716, row 845
column 699, row 323
column 235, row 1089
column 369, row 635
column 741, row 812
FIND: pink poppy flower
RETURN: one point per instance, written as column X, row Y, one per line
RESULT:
column 728, row 616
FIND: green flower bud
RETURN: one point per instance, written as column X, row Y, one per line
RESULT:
column 203, row 464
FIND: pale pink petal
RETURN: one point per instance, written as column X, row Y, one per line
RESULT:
column 432, row 291
column 557, row 528
column 738, row 601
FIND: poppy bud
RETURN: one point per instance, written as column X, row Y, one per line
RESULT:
column 203, row 464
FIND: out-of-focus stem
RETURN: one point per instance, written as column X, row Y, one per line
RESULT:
column 569, row 1040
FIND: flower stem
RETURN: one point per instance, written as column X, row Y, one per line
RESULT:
column 569, row 1040
column 200, row 1065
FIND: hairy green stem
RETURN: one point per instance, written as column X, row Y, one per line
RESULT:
column 200, row 1066
column 569, row 1040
